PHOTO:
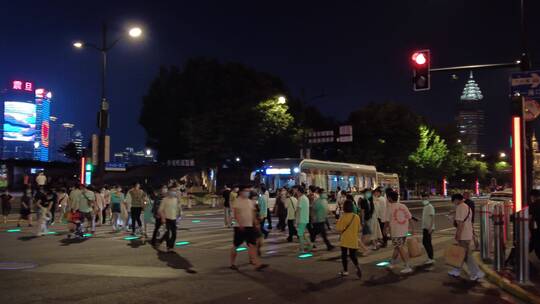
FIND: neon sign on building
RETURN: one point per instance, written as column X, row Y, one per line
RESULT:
column 22, row 85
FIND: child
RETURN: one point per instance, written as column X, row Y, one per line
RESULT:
column 45, row 216
column 348, row 226
column 74, row 224
column 428, row 225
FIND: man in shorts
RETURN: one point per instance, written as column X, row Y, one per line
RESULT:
column 397, row 220
column 244, row 214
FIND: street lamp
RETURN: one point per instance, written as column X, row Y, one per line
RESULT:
column 103, row 114
column 148, row 152
column 237, row 159
column 459, row 141
column 135, row 32
column 282, row 100
column 482, row 155
column 502, row 155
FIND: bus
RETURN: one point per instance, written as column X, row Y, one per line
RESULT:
column 287, row 172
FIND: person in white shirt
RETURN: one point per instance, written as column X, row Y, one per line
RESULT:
column 464, row 236
column 41, row 179
column 397, row 221
column 244, row 214
column 380, row 204
column 169, row 210
column 428, row 226
column 292, row 213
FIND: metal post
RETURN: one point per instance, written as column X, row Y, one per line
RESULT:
column 498, row 237
column 485, row 231
column 522, row 271
column 103, row 114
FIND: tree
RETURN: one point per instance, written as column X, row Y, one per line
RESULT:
column 70, row 151
column 385, row 135
column 213, row 112
column 427, row 160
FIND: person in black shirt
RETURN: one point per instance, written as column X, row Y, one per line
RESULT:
column 26, row 208
column 227, row 205
column 6, row 204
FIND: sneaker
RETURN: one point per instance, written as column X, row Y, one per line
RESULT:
column 479, row 275
column 429, row 262
column 406, row 270
column 343, row 273
column 359, row 272
column 455, row 273
column 261, row 267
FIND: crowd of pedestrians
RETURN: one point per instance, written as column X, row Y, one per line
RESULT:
column 364, row 223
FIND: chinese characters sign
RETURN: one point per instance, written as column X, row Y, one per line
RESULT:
column 22, row 85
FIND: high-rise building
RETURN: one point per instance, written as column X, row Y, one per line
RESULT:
column 43, row 113
column 19, row 121
column 470, row 117
column 78, row 139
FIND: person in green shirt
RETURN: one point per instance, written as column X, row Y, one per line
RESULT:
column 320, row 214
column 303, row 218
column 86, row 203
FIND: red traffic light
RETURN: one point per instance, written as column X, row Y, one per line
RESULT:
column 419, row 58
column 421, row 67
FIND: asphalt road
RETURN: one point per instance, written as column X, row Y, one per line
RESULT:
column 106, row 268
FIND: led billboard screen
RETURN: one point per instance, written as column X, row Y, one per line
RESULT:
column 19, row 121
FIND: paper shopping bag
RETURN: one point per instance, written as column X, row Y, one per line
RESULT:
column 413, row 246
column 455, row 255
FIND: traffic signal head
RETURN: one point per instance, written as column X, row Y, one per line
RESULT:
column 421, row 65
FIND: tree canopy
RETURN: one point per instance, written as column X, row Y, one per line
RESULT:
column 212, row 111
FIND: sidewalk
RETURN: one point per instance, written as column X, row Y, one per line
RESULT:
column 529, row 293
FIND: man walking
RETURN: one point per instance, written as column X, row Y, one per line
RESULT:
column 380, row 212
column 428, row 226
column 397, row 221
column 168, row 212
column 227, row 206
column 244, row 214
column 320, row 210
column 137, row 203
column 464, row 236
column 303, row 217
column 292, row 210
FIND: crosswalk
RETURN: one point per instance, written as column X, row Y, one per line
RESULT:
column 209, row 233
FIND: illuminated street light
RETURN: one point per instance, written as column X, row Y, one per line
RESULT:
column 282, row 100
column 459, row 141
column 482, row 155
column 237, row 159
column 502, row 155
column 135, row 32
column 148, row 152
column 78, row 44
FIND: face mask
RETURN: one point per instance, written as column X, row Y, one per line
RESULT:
column 164, row 191
column 172, row 193
column 244, row 194
column 368, row 195
column 425, row 202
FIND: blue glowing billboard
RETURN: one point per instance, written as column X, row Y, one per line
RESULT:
column 19, row 121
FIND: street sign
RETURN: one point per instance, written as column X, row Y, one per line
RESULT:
column 119, row 167
column 526, row 84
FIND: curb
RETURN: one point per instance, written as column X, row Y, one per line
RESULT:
column 504, row 283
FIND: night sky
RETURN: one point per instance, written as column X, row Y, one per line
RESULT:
column 355, row 52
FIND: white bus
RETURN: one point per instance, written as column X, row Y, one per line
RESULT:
column 278, row 173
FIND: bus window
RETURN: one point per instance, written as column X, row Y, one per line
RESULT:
column 332, row 182
column 352, row 182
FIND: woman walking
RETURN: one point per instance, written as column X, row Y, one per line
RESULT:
column 348, row 226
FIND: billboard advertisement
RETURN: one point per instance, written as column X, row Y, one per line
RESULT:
column 19, row 121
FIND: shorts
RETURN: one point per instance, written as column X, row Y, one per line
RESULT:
column 398, row 242
column 248, row 235
column 86, row 216
column 116, row 208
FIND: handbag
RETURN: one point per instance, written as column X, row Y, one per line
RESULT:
column 455, row 256
column 413, row 246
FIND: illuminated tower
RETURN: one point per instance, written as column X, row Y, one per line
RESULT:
column 470, row 118
column 43, row 113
